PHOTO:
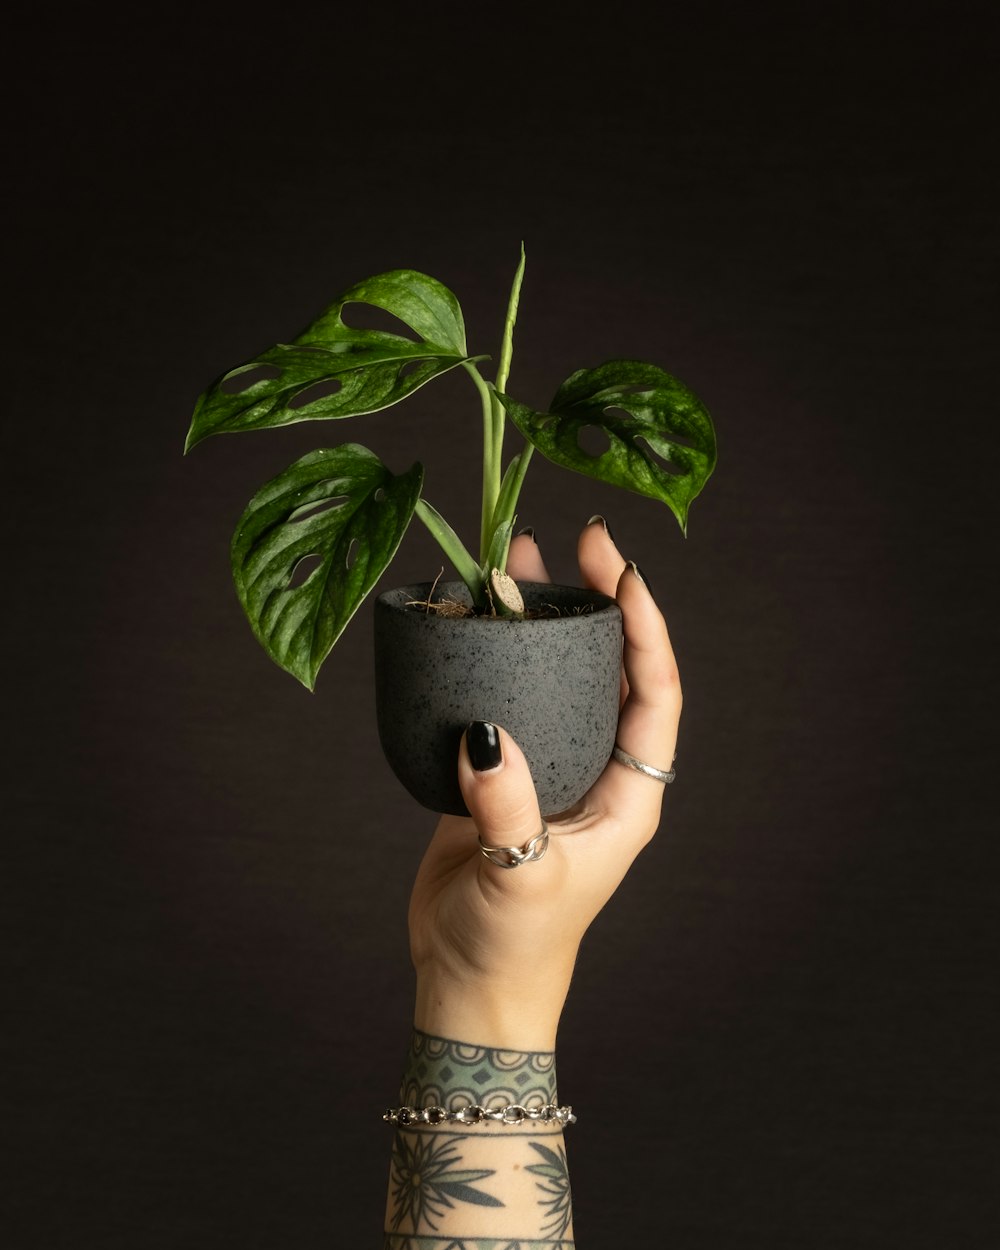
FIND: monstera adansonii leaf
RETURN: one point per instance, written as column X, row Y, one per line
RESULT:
column 660, row 438
column 342, row 511
column 332, row 370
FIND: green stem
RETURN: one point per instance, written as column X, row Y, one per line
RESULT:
column 498, row 417
column 491, row 463
column 456, row 551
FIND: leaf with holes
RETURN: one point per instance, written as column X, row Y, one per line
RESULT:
column 660, row 438
column 340, row 509
column 334, row 370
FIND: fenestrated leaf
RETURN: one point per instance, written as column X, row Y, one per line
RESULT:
column 352, row 371
column 426, row 305
column 660, row 438
column 334, row 505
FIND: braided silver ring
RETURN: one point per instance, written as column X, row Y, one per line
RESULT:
column 515, row 856
column 630, row 761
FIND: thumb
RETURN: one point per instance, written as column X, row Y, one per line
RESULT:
column 499, row 793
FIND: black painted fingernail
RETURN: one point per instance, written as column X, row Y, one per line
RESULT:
column 483, row 742
column 641, row 576
column 530, row 531
column 607, row 528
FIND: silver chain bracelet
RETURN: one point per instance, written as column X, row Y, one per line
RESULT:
column 511, row 1114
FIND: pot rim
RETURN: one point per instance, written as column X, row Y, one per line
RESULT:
column 533, row 592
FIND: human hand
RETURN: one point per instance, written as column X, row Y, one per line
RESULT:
column 494, row 949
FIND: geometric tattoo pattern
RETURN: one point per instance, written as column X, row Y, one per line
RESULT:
column 396, row 1241
column 440, row 1072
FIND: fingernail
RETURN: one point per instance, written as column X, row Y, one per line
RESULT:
column 530, row 531
column 483, row 742
column 607, row 528
column 641, row 576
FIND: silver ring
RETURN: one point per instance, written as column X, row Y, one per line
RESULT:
column 630, row 761
column 515, row 856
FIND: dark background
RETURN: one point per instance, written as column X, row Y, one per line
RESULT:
column 779, row 1031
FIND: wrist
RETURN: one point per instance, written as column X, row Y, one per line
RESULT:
column 453, row 1073
column 511, row 1017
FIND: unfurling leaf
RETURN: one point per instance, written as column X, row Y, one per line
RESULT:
column 333, row 370
column 343, row 508
column 660, row 440
column 496, row 556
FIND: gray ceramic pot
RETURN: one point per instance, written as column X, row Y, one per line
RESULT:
column 552, row 683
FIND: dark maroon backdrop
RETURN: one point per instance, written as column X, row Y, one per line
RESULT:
column 778, row 1034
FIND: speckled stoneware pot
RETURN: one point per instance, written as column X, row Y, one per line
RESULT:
column 551, row 682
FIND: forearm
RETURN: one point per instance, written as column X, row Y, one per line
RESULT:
column 483, row 1185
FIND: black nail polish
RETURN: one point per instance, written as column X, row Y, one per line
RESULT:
column 607, row 528
column 641, row 576
column 530, row 531
column 483, row 742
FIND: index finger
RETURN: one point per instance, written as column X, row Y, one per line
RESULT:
column 602, row 565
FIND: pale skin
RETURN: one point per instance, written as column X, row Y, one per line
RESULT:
column 494, row 949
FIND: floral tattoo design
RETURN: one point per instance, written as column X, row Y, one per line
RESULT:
column 558, row 1200
column 402, row 1241
column 427, row 1179
column 431, row 1175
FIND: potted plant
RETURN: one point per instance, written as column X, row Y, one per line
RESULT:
column 341, row 513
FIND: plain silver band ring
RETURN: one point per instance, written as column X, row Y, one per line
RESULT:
column 515, row 856
column 630, row 761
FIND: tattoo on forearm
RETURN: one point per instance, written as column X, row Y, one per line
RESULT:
column 490, row 1178
column 427, row 1178
column 558, row 1200
column 444, row 1073
column 402, row 1241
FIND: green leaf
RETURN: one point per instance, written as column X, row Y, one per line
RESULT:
column 456, row 551
column 426, row 305
column 333, row 370
column 336, row 505
column 660, row 438
column 508, row 485
column 496, row 557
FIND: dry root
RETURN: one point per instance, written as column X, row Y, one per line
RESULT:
column 452, row 608
column 441, row 607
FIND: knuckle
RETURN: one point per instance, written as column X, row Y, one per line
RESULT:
column 661, row 685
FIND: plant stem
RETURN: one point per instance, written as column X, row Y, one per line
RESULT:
column 491, row 463
column 453, row 547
